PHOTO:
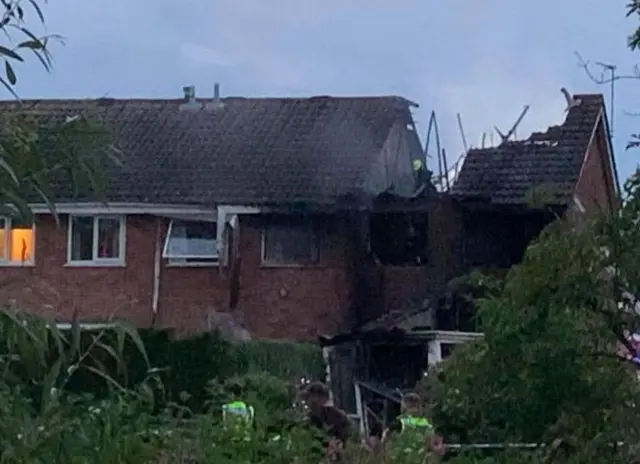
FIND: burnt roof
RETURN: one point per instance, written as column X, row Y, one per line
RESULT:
column 547, row 162
column 252, row 151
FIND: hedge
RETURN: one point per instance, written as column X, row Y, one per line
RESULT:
column 188, row 365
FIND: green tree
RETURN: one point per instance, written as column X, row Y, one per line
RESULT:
column 633, row 9
column 38, row 152
column 554, row 366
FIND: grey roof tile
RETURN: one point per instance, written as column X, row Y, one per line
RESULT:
column 252, row 151
column 549, row 161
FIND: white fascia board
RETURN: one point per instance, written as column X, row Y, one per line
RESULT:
column 123, row 208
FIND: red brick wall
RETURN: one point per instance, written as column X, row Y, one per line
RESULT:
column 302, row 302
column 596, row 188
column 286, row 302
column 275, row 302
column 57, row 291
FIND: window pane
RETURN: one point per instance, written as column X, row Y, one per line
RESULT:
column 195, row 239
column 293, row 243
column 82, row 238
column 21, row 243
column 3, row 239
column 108, row 238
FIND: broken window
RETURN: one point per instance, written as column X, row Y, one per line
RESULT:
column 290, row 240
column 400, row 239
column 498, row 239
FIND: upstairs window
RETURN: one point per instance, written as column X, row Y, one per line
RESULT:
column 400, row 239
column 290, row 241
column 191, row 243
column 96, row 240
column 17, row 243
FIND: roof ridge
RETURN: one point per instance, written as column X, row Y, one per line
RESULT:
column 593, row 94
column 179, row 100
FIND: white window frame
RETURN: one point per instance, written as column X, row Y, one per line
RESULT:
column 272, row 263
column 4, row 260
column 95, row 261
column 177, row 260
column 440, row 337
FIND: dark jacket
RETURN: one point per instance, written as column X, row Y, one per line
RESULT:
column 332, row 421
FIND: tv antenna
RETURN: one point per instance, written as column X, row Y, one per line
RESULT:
column 612, row 81
column 505, row 137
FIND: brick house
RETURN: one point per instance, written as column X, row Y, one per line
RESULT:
column 298, row 217
column 569, row 167
column 568, row 170
column 221, row 206
column 501, row 199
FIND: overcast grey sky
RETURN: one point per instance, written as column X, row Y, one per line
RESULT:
column 484, row 59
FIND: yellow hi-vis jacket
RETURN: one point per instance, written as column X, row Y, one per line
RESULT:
column 238, row 411
column 412, row 439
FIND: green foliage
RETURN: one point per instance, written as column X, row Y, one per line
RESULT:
column 285, row 360
column 12, row 23
column 34, row 158
column 187, row 366
column 633, row 9
column 553, row 368
column 36, row 154
column 45, row 421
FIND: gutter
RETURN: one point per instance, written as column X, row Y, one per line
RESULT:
column 157, row 261
column 122, row 208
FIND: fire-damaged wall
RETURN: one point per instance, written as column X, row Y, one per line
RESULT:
column 497, row 238
column 416, row 249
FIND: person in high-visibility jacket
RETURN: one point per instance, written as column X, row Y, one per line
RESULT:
column 237, row 411
column 237, row 424
column 412, row 435
column 421, row 175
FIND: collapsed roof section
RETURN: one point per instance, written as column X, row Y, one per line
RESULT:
column 547, row 162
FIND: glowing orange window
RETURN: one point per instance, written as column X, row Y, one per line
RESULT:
column 17, row 242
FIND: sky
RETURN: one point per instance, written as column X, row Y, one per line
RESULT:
column 482, row 59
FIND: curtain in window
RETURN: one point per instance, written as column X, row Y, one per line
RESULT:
column 108, row 238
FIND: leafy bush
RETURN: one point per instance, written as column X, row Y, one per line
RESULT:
column 187, row 366
column 556, row 364
column 47, row 418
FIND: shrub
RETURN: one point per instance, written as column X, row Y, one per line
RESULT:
column 134, row 425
